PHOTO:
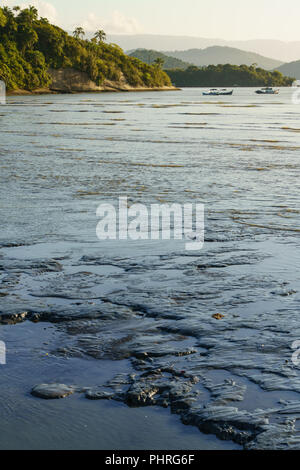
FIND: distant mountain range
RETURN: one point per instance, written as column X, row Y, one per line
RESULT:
column 202, row 57
column 279, row 50
column 291, row 69
column 149, row 56
column 224, row 55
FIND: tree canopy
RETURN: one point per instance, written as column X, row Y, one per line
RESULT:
column 30, row 45
column 150, row 56
column 228, row 76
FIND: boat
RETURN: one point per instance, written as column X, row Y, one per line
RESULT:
column 218, row 92
column 267, row 91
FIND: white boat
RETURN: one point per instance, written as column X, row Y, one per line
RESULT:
column 218, row 92
column 267, row 91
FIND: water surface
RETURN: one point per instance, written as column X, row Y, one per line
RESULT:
column 107, row 304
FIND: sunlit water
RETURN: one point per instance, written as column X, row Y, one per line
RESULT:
column 105, row 302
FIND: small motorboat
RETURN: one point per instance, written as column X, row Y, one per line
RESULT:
column 218, row 92
column 267, row 91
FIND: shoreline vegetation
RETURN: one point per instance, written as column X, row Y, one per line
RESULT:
column 38, row 57
column 228, row 76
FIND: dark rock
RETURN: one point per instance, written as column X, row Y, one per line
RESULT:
column 52, row 391
column 98, row 395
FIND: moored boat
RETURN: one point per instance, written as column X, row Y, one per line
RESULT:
column 267, row 91
column 218, row 92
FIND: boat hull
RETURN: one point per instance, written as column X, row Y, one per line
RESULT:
column 260, row 92
column 218, row 93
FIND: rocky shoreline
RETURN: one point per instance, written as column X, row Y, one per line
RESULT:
column 73, row 81
column 48, row 91
column 172, row 361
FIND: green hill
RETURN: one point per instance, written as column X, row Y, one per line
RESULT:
column 228, row 76
column 30, row 47
column 224, row 55
column 292, row 69
column 149, row 56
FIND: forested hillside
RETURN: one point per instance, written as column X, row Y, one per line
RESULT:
column 228, row 76
column 30, row 45
column 151, row 57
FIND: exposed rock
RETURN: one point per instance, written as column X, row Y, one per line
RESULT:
column 52, row 391
column 98, row 395
column 41, row 266
column 12, row 318
column 141, row 394
column 275, row 437
column 228, row 423
column 218, row 316
column 69, row 80
column 228, row 391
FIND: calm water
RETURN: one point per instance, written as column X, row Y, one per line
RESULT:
column 102, row 304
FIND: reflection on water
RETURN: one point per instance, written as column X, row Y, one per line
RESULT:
column 152, row 304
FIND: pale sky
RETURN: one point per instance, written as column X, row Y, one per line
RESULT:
column 230, row 19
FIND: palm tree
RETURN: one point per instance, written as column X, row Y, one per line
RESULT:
column 33, row 12
column 79, row 33
column 100, row 36
column 27, row 15
column 159, row 62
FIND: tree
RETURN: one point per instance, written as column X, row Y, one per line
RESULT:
column 100, row 36
column 26, row 34
column 79, row 33
column 33, row 12
column 28, row 15
column 2, row 18
column 159, row 62
column 227, row 76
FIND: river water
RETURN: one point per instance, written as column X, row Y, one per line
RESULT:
column 134, row 321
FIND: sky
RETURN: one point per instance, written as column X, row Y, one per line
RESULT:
column 230, row 19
